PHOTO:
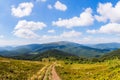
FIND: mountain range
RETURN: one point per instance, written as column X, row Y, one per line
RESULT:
column 110, row 46
column 64, row 46
column 53, row 53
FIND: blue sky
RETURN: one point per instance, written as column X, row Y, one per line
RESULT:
column 42, row 21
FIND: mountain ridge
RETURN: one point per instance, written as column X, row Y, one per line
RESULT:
column 65, row 46
column 111, row 46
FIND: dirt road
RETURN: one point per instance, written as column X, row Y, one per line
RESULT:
column 39, row 75
column 46, row 73
column 54, row 74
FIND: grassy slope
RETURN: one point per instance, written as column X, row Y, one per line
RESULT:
column 50, row 53
column 111, row 55
column 18, row 69
column 109, row 70
column 53, row 53
column 23, row 70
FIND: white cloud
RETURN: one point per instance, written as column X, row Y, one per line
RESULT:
column 98, row 39
column 110, row 28
column 31, row 25
column 25, row 33
column 50, row 6
column 69, row 35
column 51, row 31
column 79, row 38
column 16, row 42
column 41, row 0
column 92, row 31
column 1, row 36
column 85, row 19
column 60, row 6
column 108, row 12
column 23, row 9
column 25, row 29
column 46, row 39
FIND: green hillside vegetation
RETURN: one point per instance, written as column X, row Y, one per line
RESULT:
column 67, row 69
column 68, row 66
column 108, row 56
column 109, row 70
column 59, row 55
column 17, row 69
column 112, row 46
column 67, row 47
column 111, row 55
column 73, row 48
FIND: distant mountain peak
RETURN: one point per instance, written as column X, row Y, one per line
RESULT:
column 112, row 46
column 65, row 43
column 65, row 46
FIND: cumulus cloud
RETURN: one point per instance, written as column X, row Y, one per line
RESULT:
column 51, row 31
column 70, row 34
column 25, row 33
column 60, row 6
column 49, row 6
column 79, row 38
column 66, row 35
column 41, row 0
column 23, row 9
column 109, row 12
column 98, row 39
column 1, row 36
column 110, row 28
column 85, row 19
column 92, row 31
column 25, row 29
column 16, row 42
column 31, row 25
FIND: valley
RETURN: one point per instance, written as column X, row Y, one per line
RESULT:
column 52, row 63
column 75, row 49
column 11, row 69
column 59, row 39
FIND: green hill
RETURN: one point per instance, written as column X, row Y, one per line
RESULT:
column 67, row 47
column 53, row 53
column 59, row 55
column 111, row 55
column 73, row 48
column 11, row 69
column 111, row 46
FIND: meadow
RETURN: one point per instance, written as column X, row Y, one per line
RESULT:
column 11, row 69
column 108, row 70
column 18, row 69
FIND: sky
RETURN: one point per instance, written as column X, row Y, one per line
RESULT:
column 44, row 21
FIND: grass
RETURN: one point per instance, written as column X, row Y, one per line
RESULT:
column 23, row 70
column 18, row 69
column 108, row 70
